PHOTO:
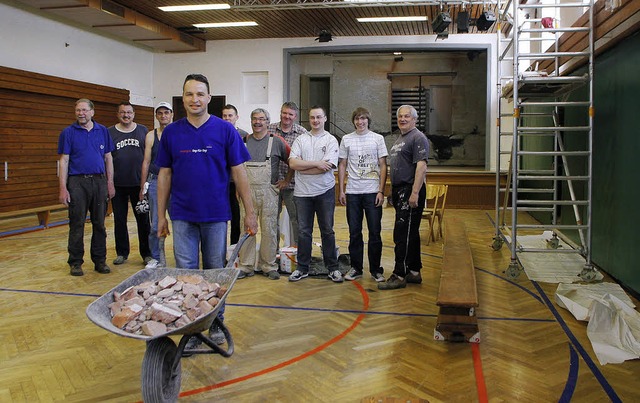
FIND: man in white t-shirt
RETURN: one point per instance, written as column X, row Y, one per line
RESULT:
column 363, row 161
column 314, row 157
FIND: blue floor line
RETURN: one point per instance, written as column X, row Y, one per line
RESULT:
column 572, row 379
column 537, row 297
column 356, row 311
column 70, row 294
column 608, row 389
column 21, row 230
column 34, row 228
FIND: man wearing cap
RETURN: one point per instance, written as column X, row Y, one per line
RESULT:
column 129, row 139
column 164, row 115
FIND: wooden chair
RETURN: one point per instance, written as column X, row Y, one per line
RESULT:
column 436, row 199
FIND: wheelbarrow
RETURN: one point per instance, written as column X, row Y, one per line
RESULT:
column 161, row 367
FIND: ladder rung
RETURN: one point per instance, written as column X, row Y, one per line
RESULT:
column 548, row 250
column 554, row 129
column 552, row 55
column 555, row 202
column 552, row 30
column 551, row 226
column 536, row 114
column 536, row 134
column 553, row 80
column 554, row 104
column 536, row 171
column 528, row 190
column 553, row 178
column 553, row 153
column 538, row 209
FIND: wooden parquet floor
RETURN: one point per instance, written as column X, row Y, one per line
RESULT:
column 311, row 341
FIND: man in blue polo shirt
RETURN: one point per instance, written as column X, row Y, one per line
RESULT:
column 197, row 156
column 86, row 184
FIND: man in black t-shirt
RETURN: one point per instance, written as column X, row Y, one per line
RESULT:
column 129, row 140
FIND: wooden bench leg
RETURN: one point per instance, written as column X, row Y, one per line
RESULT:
column 43, row 218
column 457, row 324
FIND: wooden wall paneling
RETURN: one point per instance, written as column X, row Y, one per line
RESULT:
column 36, row 108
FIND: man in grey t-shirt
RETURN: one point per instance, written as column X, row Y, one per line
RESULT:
column 408, row 160
column 267, row 151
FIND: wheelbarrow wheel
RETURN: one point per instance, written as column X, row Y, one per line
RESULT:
column 160, row 381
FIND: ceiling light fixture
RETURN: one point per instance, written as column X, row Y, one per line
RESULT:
column 227, row 24
column 392, row 19
column 196, row 7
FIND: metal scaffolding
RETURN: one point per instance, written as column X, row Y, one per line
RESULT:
column 545, row 177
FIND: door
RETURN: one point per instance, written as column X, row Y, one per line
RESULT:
column 440, row 110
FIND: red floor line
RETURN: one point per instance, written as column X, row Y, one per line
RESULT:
column 356, row 322
column 477, row 366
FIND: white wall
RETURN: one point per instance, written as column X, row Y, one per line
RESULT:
column 28, row 41
column 225, row 61
column 34, row 43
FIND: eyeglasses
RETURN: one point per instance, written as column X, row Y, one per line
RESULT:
column 258, row 119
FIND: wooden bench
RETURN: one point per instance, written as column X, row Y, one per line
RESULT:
column 42, row 212
column 457, row 295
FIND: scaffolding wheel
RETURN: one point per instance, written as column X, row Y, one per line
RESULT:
column 497, row 243
column 554, row 242
column 588, row 273
column 513, row 271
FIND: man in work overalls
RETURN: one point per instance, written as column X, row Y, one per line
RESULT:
column 262, row 172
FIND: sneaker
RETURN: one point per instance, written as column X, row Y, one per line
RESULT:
column 273, row 275
column 216, row 334
column 378, row 277
column 245, row 274
column 102, row 268
column 152, row 264
column 336, row 276
column 119, row 260
column 297, row 275
column 393, row 283
column 76, row 270
column 194, row 343
column 352, row 274
column 413, row 278
column 147, row 259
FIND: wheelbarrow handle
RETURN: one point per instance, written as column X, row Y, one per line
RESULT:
column 163, row 257
column 236, row 250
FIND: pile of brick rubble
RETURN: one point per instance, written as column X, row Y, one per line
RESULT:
column 153, row 308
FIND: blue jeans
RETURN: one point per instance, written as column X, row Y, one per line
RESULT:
column 153, row 215
column 189, row 237
column 359, row 206
column 211, row 237
column 406, row 230
column 322, row 206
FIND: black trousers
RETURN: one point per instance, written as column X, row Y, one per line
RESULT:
column 406, row 229
column 88, row 195
column 126, row 195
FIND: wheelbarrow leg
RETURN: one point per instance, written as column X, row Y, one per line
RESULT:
column 161, row 371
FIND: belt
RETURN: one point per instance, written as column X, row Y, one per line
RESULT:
column 90, row 176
